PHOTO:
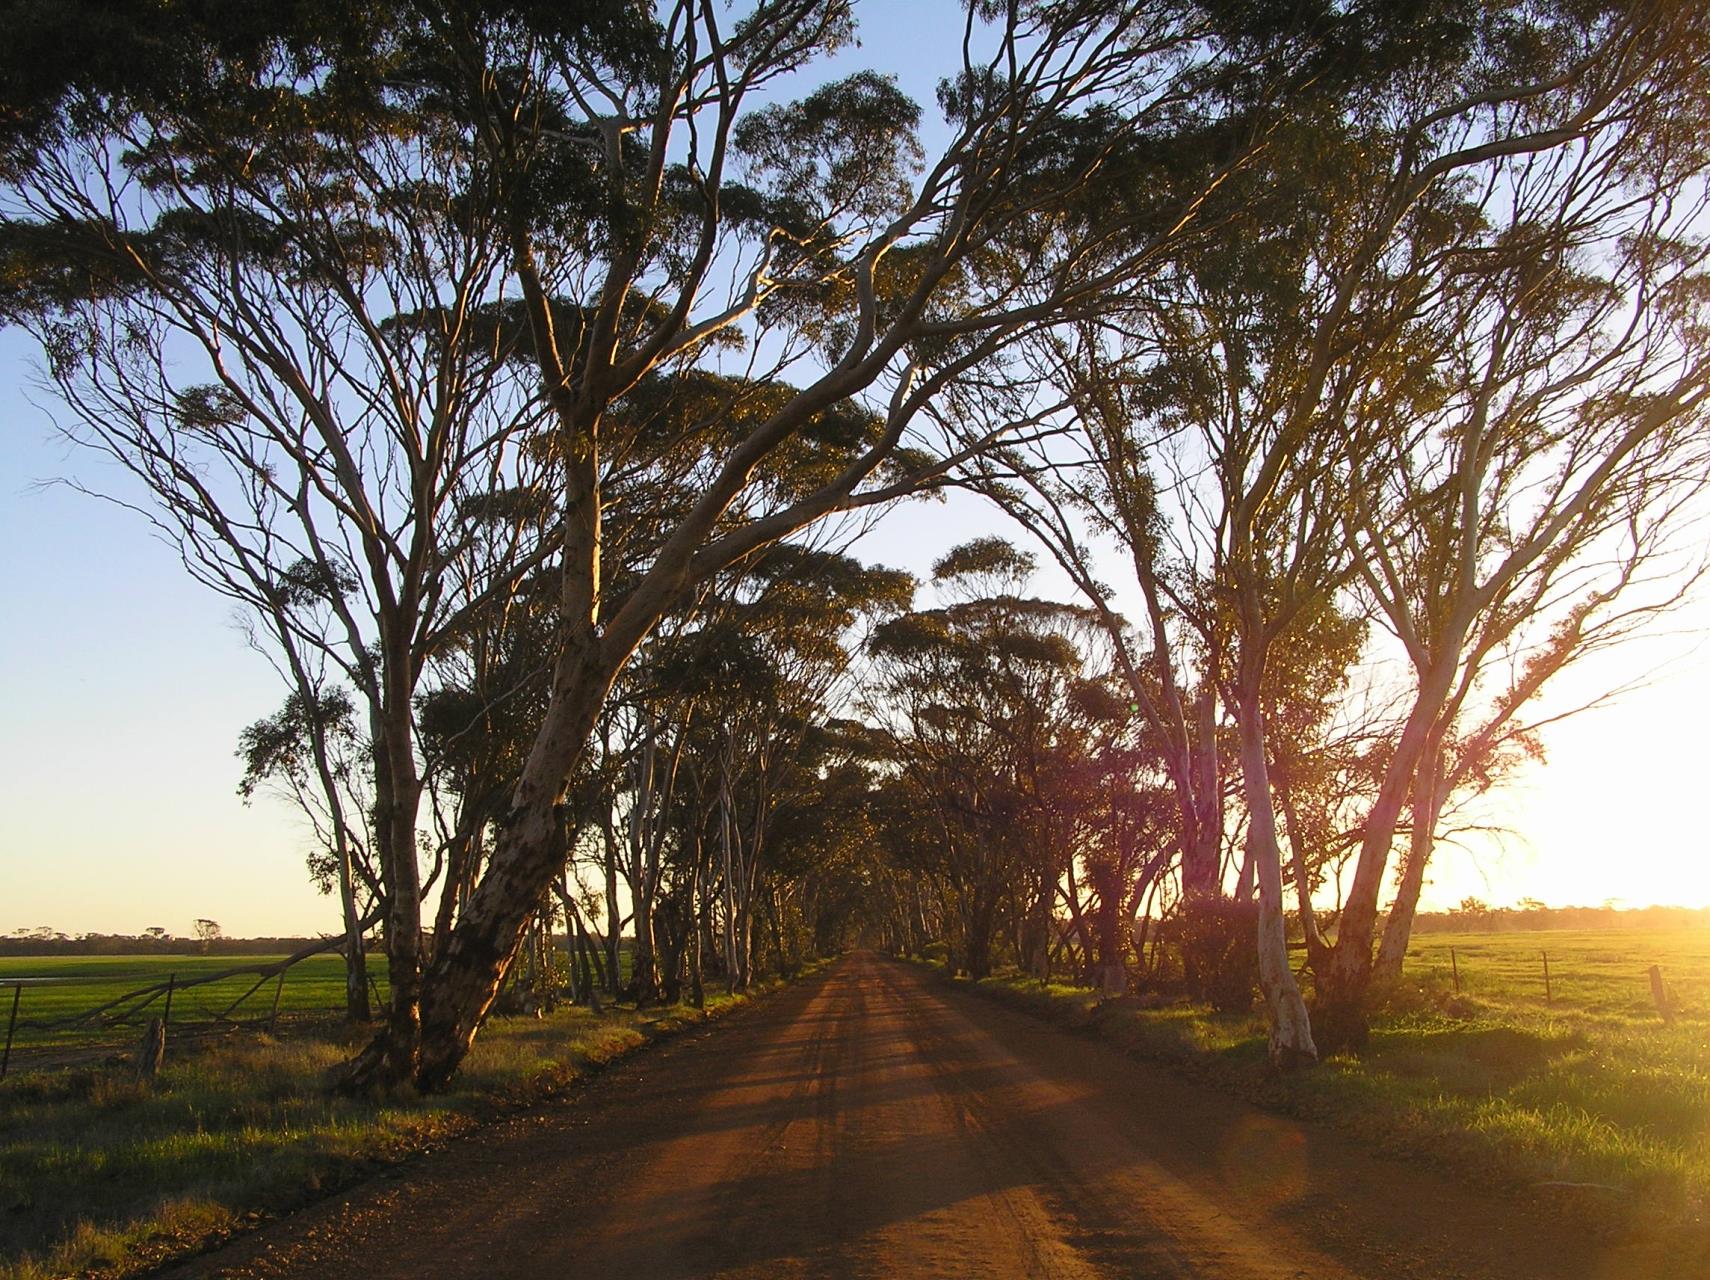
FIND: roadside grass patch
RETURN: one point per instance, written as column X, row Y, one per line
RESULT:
column 102, row 1175
column 1588, row 1097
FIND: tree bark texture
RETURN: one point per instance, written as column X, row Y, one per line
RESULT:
column 467, row 971
column 1291, row 1043
column 1398, row 929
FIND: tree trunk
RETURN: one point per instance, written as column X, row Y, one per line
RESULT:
column 593, row 965
column 356, row 1006
column 697, row 982
column 1343, row 982
column 981, row 922
column 644, row 958
column 1202, row 849
column 611, row 940
column 1108, row 923
column 576, row 962
column 745, row 944
column 1317, row 949
column 460, row 856
column 1291, row 1042
column 1036, row 949
column 1398, row 929
column 392, row 1057
column 469, row 969
column 728, row 921
column 775, row 919
column 644, row 875
column 466, row 972
column 1249, row 868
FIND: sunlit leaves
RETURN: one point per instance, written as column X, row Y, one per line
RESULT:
column 846, row 150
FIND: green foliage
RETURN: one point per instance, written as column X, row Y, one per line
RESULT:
column 279, row 747
column 1015, row 763
column 847, row 149
column 1219, row 950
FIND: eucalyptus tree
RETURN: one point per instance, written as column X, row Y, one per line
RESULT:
column 281, row 263
column 751, row 685
column 1579, row 102
column 1120, row 834
column 256, row 282
column 826, row 856
column 897, row 282
column 312, row 751
column 1249, row 397
column 984, row 710
column 1539, row 506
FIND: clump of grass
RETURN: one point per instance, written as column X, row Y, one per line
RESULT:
column 101, row 1174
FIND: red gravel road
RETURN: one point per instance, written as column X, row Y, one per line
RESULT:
column 872, row 1122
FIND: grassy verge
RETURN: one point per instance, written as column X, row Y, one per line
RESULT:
column 1589, row 1098
column 100, row 1175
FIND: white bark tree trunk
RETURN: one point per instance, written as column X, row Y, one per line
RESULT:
column 1291, row 1043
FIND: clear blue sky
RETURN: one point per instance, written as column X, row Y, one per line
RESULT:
column 123, row 687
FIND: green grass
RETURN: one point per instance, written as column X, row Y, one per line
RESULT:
column 101, row 1175
column 69, row 985
column 1591, row 1088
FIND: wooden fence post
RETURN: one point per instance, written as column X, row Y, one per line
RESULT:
column 152, row 1052
column 273, row 1018
column 1546, row 956
column 1659, row 993
column 11, row 1025
column 166, row 1014
column 1455, row 968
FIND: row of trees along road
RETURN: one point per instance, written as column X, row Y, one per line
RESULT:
column 500, row 358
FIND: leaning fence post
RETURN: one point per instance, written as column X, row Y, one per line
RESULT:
column 166, row 1014
column 11, row 1025
column 1546, row 956
column 1659, row 993
column 1455, row 968
column 273, row 1018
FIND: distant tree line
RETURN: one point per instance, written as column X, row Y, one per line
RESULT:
column 1474, row 914
column 50, row 942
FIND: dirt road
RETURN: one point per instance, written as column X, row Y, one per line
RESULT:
column 872, row 1123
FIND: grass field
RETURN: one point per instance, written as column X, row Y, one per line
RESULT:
column 1590, row 1098
column 58, row 987
column 1594, row 973
column 101, row 1175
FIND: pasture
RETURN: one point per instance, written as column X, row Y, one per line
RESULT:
column 1596, row 975
column 1588, row 1089
column 58, row 988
